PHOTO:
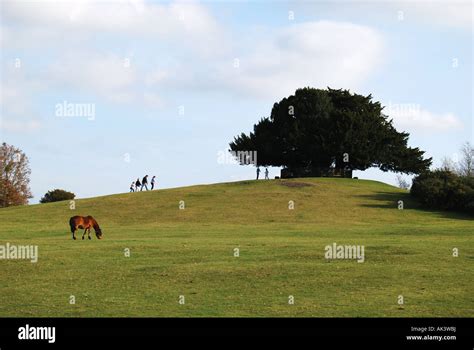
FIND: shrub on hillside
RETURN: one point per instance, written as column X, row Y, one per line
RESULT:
column 443, row 189
column 57, row 195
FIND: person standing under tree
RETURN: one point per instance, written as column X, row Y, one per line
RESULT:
column 258, row 172
column 266, row 174
column 152, row 183
column 144, row 183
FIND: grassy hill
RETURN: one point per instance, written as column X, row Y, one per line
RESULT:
column 190, row 252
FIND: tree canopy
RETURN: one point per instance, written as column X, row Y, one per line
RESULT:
column 14, row 176
column 56, row 196
column 316, row 130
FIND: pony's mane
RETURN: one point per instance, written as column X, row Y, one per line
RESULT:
column 94, row 223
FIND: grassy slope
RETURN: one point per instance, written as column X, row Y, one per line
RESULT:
column 190, row 252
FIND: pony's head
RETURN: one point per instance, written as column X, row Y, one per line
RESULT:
column 98, row 231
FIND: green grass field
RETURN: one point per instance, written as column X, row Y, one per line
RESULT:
column 190, row 252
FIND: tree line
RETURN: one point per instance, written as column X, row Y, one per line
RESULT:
column 450, row 187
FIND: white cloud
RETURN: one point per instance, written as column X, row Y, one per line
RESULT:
column 155, row 77
column 19, row 125
column 410, row 116
column 53, row 21
column 424, row 13
column 65, row 34
column 152, row 99
column 273, row 62
column 277, row 62
column 452, row 13
column 104, row 74
column 16, row 109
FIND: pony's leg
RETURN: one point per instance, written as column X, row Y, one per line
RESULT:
column 73, row 235
column 89, row 233
column 85, row 230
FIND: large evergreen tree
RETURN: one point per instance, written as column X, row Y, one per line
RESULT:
column 321, row 132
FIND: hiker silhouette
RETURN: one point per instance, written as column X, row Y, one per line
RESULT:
column 144, row 183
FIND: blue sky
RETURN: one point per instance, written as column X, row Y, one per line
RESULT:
column 173, row 82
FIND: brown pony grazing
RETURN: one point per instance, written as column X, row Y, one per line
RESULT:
column 84, row 222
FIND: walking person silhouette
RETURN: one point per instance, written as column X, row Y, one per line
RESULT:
column 258, row 172
column 131, row 186
column 152, row 183
column 144, row 183
column 266, row 174
column 137, row 184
